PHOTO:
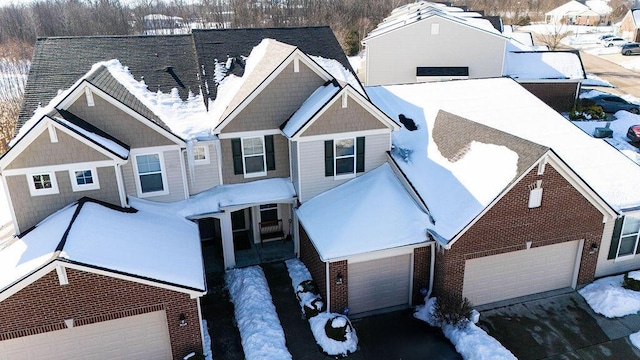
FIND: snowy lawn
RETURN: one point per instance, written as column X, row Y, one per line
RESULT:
column 470, row 341
column 299, row 274
column 260, row 329
column 607, row 297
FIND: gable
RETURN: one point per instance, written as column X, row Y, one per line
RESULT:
column 277, row 101
column 117, row 123
column 43, row 152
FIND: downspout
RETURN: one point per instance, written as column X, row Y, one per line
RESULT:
column 185, row 184
column 122, row 193
column 328, row 285
column 204, row 351
column 432, row 268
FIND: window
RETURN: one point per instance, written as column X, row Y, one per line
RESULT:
column 624, row 244
column 253, row 156
column 268, row 212
column 200, row 155
column 84, row 179
column 150, row 175
column 42, row 184
column 344, row 157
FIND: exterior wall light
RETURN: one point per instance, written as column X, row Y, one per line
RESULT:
column 183, row 320
column 339, row 279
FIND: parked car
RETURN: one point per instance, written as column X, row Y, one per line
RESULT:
column 634, row 133
column 617, row 41
column 630, row 48
column 611, row 103
column 602, row 38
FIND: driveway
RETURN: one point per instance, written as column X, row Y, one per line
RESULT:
column 560, row 327
column 606, row 67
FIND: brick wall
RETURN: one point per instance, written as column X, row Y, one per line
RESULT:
column 89, row 298
column 421, row 269
column 309, row 256
column 339, row 292
column 560, row 96
column 565, row 215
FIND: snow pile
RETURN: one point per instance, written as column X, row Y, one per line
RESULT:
column 619, row 126
column 208, row 355
column 260, row 329
column 635, row 339
column 470, row 341
column 594, row 80
column 324, row 325
column 606, row 296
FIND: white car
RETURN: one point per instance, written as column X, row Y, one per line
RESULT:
column 617, row 41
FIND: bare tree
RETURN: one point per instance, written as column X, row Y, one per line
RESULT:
column 553, row 36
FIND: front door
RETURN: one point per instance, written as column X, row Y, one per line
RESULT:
column 241, row 226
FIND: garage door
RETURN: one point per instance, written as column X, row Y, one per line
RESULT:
column 519, row 273
column 379, row 284
column 137, row 337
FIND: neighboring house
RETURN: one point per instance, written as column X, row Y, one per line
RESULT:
column 630, row 25
column 425, row 41
column 577, row 13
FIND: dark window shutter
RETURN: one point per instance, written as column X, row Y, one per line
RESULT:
column 328, row 158
column 617, row 230
column 270, row 153
column 360, row 154
column 236, row 149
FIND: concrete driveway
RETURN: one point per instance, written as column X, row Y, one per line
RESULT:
column 560, row 326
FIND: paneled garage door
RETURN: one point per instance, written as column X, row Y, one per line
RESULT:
column 519, row 273
column 379, row 283
column 136, row 337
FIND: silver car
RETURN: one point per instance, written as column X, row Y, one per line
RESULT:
column 631, row 48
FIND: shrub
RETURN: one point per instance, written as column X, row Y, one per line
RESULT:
column 451, row 309
column 313, row 307
column 630, row 283
column 307, row 286
column 337, row 328
column 587, row 111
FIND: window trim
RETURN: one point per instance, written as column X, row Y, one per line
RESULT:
column 244, row 157
column 163, row 172
column 275, row 206
column 206, row 160
column 84, row 187
column 38, row 192
column 337, row 176
column 635, row 247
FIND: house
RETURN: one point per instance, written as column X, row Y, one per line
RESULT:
column 432, row 42
column 629, row 25
column 576, row 13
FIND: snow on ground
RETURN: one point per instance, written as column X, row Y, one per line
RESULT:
column 260, row 329
column 593, row 80
column 631, row 64
column 470, row 341
column 635, row 339
column 606, row 296
column 208, row 355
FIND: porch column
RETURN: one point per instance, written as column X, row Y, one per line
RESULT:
column 226, row 231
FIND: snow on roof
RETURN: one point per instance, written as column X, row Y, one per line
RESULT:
column 217, row 198
column 144, row 244
column 543, row 65
column 340, row 73
column 108, row 144
column 5, row 210
column 358, row 223
column 635, row 13
column 571, row 8
column 504, row 105
column 310, row 107
column 599, row 6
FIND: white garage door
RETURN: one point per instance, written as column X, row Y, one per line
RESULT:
column 520, row 273
column 379, row 284
column 136, row 337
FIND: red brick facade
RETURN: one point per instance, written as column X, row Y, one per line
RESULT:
column 90, row 298
column 309, row 256
column 421, row 270
column 561, row 96
column 339, row 292
column 565, row 215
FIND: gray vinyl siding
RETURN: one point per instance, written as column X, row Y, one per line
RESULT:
column 42, row 152
column 30, row 210
column 607, row 267
column 281, row 149
column 312, row 179
column 173, row 169
column 295, row 178
column 205, row 176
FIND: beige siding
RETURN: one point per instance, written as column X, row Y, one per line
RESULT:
column 173, row 169
column 609, row 267
column 312, row 179
column 42, row 152
column 281, row 149
column 338, row 119
column 275, row 104
column 118, row 124
column 30, row 210
column 392, row 58
column 295, row 172
column 205, row 176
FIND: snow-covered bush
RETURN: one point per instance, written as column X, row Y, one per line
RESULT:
column 630, row 283
column 309, row 298
column 453, row 310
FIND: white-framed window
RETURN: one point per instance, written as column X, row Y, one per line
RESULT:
column 43, row 183
column 201, row 155
column 269, row 212
column 84, row 179
column 151, row 178
column 345, row 157
column 253, row 157
column 628, row 238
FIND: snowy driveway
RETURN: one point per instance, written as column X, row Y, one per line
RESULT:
column 560, row 327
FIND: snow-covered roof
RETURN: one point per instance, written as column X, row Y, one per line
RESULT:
column 223, row 196
column 600, row 7
column 543, row 65
column 571, row 8
column 310, row 107
column 94, row 136
column 358, row 224
column 504, row 105
column 635, row 15
column 149, row 245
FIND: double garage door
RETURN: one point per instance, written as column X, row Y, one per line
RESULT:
column 378, row 284
column 136, row 337
column 519, row 273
